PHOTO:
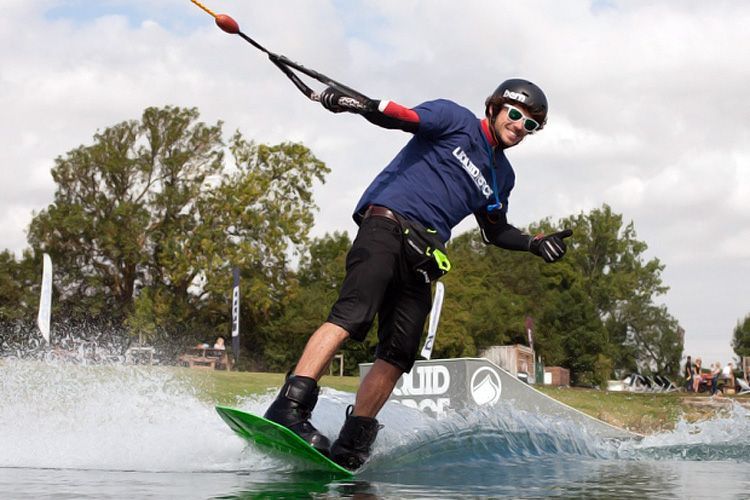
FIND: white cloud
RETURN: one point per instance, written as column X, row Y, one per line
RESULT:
column 647, row 107
column 629, row 192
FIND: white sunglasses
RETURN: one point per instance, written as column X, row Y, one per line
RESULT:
column 515, row 114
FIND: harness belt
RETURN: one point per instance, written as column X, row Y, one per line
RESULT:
column 378, row 211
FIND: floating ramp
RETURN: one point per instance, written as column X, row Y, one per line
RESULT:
column 440, row 385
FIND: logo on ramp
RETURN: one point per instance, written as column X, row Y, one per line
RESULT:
column 486, row 386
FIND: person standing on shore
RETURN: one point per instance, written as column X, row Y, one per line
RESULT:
column 728, row 376
column 688, row 373
column 715, row 374
column 697, row 375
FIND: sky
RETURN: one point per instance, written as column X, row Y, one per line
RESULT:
column 648, row 108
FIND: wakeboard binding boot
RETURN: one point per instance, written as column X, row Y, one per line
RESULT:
column 293, row 407
column 352, row 448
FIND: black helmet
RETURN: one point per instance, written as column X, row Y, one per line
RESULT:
column 523, row 92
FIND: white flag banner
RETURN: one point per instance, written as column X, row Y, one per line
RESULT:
column 236, row 313
column 45, row 298
column 437, row 305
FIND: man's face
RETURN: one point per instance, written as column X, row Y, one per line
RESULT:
column 511, row 132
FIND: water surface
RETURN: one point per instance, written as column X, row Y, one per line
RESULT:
column 132, row 432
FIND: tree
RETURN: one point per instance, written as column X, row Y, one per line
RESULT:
column 252, row 220
column 19, row 286
column 116, row 199
column 490, row 292
column 593, row 310
column 655, row 335
column 741, row 337
column 622, row 286
column 571, row 333
column 321, row 272
column 478, row 310
column 151, row 205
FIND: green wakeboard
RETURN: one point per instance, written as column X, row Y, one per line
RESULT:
column 271, row 436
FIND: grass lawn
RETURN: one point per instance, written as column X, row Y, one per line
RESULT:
column 639, row 412
column 224, row 387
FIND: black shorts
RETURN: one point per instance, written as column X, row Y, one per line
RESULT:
column 379, row 281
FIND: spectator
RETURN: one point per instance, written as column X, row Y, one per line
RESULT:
column 689, row 374
column 219, row 344
column 728, row 375
column 715, row 374
column 697, row 378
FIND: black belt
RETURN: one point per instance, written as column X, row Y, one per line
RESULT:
column 378, row 211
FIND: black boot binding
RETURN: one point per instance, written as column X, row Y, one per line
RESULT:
column 292, row 409
column 352, row 448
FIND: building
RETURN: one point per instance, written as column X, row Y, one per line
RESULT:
column 517, row 359
column 556, row 376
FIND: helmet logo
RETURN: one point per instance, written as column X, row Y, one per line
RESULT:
column 517, row 96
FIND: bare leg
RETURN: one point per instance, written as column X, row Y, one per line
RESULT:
column 299, row 395
column 319, row 350
column 376, row 388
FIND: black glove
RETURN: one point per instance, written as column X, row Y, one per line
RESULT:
column 550, row 248
column 336, row 101
column 329, row 98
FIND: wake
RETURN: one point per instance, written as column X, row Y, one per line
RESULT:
column 131, row 418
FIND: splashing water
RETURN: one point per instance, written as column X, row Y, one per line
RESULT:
column 724, row 438
column 111, row 418
column 54, row 415
column 114, row 418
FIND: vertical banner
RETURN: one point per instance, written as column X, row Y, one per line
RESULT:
column 45, row 298
column 437, row 305
column 236, row 314
column 530, row 331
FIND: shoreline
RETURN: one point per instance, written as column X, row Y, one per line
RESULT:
column 647, row 413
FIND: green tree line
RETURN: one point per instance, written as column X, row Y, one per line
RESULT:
column 148, row 221
column 741, row 337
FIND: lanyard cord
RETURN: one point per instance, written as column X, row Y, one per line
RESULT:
column 497, row 205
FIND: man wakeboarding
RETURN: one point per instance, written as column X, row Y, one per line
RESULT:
column 453, row 166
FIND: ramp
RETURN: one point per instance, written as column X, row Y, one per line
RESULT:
column 439, row 385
